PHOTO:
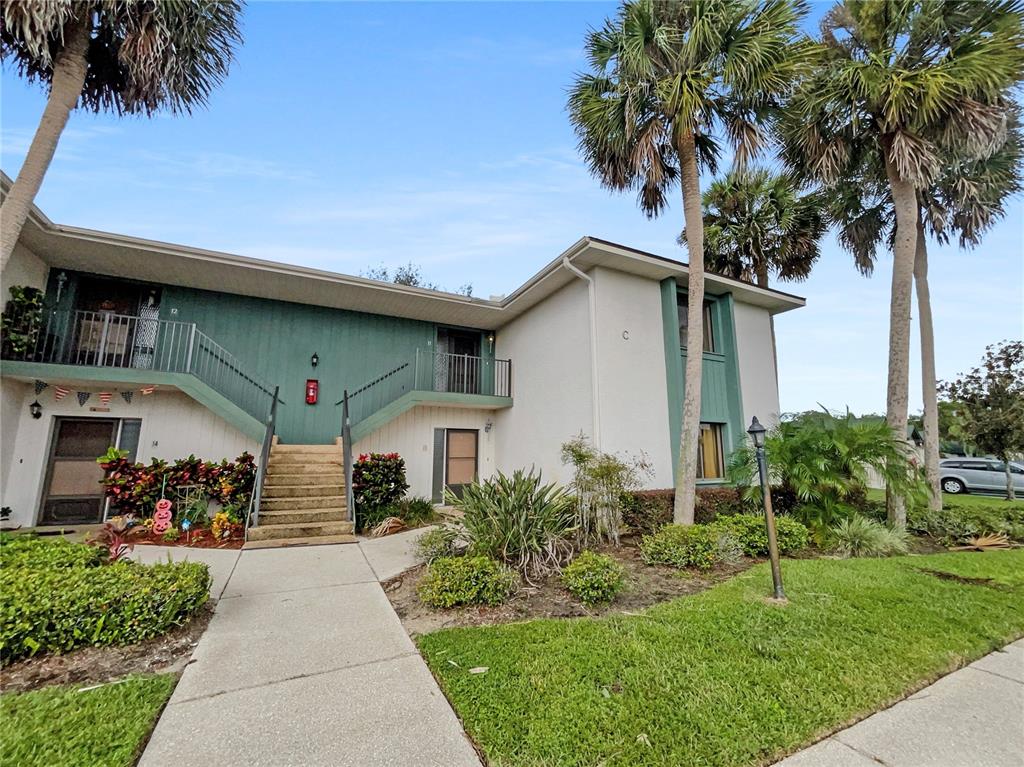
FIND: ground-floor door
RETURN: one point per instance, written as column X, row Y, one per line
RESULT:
column 461, row 462
column 72, row 493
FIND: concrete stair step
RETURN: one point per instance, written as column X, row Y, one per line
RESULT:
column 300, row 516
column 302, row 491
column 316, row 540
column 301, row 530
column 280, row 449
column 319, row 503
column 294, row 468
column 325, row 477
column 292, row 459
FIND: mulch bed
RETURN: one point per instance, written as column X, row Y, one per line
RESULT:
column 645, row 585
column 197, row 539
column 96, row 665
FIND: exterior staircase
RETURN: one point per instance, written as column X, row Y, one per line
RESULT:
column 303, row 500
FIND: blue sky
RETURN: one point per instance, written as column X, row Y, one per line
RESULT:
column 351, row 135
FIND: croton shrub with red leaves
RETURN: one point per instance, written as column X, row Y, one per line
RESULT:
column 378, row 481
column 134, row 488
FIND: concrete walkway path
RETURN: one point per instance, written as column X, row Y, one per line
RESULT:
column 972, row 718
column 305, row 663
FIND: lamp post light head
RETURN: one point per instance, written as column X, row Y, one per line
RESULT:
column 315, row 359
column 756, row 432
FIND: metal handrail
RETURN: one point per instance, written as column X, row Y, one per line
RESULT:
column 346, row 452
column 431, row 371
column 138, row 342
column 261, row 467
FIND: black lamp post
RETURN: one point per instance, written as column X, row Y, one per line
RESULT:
column 757, row 432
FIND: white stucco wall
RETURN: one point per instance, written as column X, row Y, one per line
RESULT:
column 551, row 373
column 632, row 391
column 758, row 381
column 24, row 268
column 173, row 426
column 411, row 435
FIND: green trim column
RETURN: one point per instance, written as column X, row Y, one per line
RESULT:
column 728, row 347
column 673, row 364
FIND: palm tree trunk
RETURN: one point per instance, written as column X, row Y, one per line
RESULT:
column 686, row 470
column 1010, row 494
column 929, row 387
column 69, row 68
column 762, row 274
column 904, row 198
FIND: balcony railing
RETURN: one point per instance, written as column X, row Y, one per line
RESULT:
column 432, row 371
column 105, row 339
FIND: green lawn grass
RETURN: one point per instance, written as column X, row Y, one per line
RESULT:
column 723, row 677
column 967, row 500
column 73, row 727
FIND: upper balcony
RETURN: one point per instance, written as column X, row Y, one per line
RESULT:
column 110, row 348
column 430, row 378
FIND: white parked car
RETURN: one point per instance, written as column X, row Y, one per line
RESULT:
column 978, row 475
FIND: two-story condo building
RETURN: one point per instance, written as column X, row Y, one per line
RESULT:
column 187, row 347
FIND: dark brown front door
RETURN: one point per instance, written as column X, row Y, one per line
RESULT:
column 460, row 459
column 73, row 491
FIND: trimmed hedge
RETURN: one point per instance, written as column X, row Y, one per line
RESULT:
column 681, row 546
column 30, row 551
column 452, row 581
column 752, row 533
column 647, row 511
column 594, row 578
column 56, row 598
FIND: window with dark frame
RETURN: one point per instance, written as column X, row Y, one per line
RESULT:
column 682, row 304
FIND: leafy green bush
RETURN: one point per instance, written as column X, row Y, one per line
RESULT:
column 955, row 523
column 594, row 578
column 752, row 533
column 30, row 551
column 681, row 546
column 823, row 461
column 58, row 608
column 378, row 483
column 452, row 581
column 859, row 536
column 437, row 543
column 518, row 521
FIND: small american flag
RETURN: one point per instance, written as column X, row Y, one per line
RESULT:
column 147, row 390
column 105, row 397
column 59, row 393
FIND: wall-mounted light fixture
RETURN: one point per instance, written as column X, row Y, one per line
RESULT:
column 314, row 360
column 488, row 426
column 36, row 410
column 490, row 341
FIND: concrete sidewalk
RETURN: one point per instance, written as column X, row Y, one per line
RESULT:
column 305, row 663
column 972, row 718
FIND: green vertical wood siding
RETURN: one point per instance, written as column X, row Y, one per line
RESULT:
column 721, row 399
column 278, row 339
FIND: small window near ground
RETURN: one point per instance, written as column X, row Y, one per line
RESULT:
column 710, row 454
column 708, row 330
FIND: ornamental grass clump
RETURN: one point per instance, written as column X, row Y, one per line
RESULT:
column 439, row 542
column 454, row 581
column 859, row 536
column 594, row 578
column 518, row 521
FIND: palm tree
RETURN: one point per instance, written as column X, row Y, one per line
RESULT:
column 965, row 201
column 907, row 81
column 665, row 77
column 756, row 224
column 123, row 57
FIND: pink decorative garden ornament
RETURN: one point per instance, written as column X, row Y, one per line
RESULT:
column 162, row 517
